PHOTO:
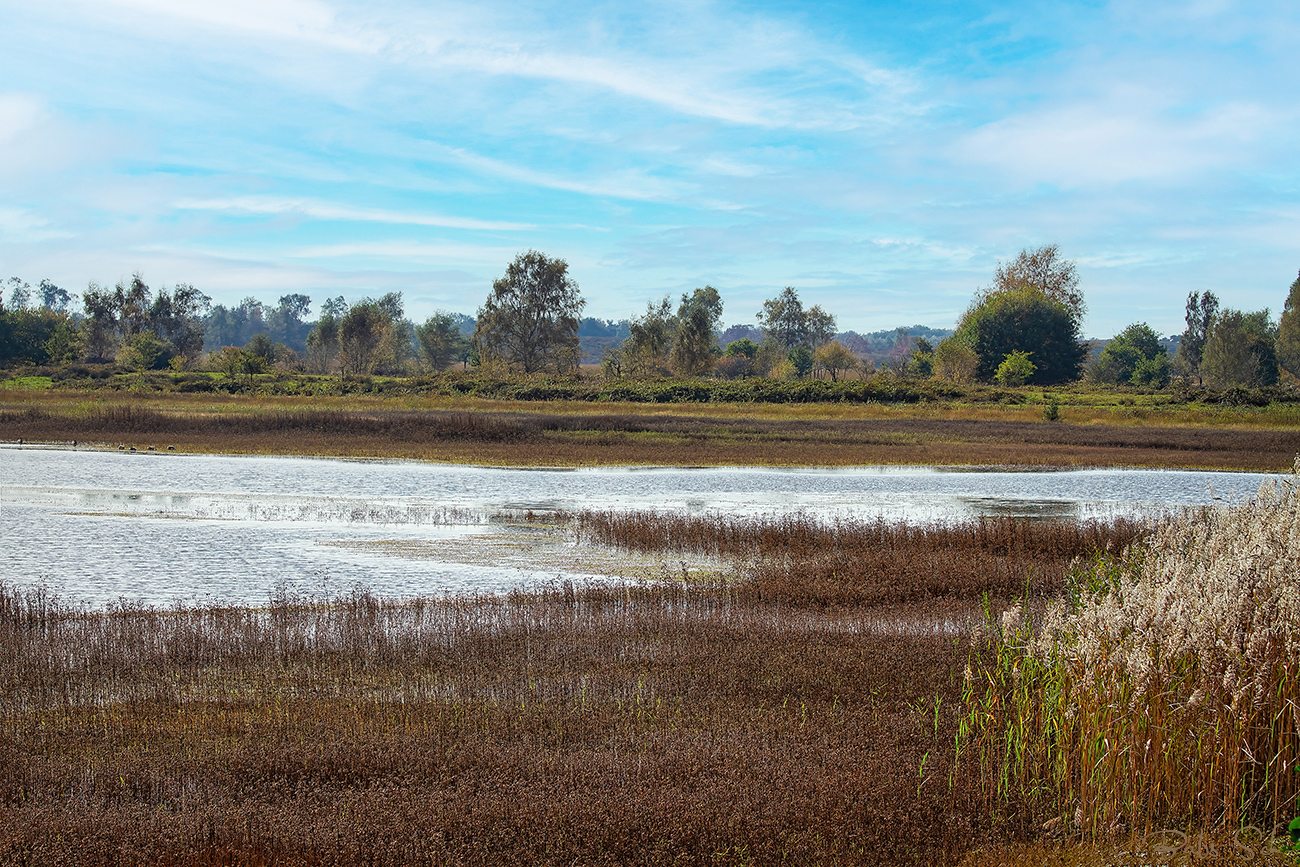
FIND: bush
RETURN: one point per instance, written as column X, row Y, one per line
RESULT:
column 1015, row 369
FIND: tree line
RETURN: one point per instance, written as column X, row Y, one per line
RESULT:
column 1023, row 328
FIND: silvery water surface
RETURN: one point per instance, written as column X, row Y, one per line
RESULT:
column 161, row 528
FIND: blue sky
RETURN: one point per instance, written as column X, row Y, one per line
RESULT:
column 880, row 157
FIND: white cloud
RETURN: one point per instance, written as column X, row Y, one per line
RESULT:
column 19, row 113
column 297, row 20
column 21, row 226
column 340, row 213
column 1113, row 141
column 461, row 253
column 630, row 184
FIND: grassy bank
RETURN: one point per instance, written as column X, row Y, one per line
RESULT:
column 475, row 430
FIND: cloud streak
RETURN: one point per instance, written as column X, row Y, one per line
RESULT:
column 263, row 205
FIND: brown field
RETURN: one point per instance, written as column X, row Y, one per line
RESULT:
column 569, row 434
column 750, row 721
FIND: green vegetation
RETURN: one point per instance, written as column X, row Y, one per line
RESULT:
column 530, row 324
column 530, row 320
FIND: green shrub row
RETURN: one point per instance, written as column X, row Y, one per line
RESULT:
column 877, row 389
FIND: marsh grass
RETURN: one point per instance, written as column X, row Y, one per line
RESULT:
column 736, row 721
column 1161, row 691
column 800, row 560
column 575, row 434
column 633, row 724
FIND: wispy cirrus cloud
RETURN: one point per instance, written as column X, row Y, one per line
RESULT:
column 1117, row 140
column 268, row 205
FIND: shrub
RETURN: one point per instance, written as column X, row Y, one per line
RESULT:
column 1015, row 369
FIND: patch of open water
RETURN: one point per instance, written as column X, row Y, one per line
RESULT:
column 162, row 528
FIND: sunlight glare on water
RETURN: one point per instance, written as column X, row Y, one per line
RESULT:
column 162, row 528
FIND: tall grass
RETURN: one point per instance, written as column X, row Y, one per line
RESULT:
column 1162, row 690
column 800, row 560
column 655, row 725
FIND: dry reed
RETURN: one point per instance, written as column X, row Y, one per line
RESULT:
column 1162, row 692
column 665, row 724
column 799, row 560
column 585, row 435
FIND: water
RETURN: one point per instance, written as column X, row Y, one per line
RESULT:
column 162, row 528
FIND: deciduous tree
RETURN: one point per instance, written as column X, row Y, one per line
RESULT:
column 440, row 341
column 1135, row 357
column 1239, row 350
column 1043, row 269
column 696, row 339
column 1023, row 320
column 1288, row 332
column 783, row 320
column 361, row 331
column 530, row 320
column 835, row 359
column 1201, row 310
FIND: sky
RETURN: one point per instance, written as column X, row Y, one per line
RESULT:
column 880, row 157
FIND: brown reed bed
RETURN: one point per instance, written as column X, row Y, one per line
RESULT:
column 648, row 725
column 739, row 721
column 799, row 560
column 631, row 435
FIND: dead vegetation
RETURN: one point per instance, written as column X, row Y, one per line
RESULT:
column 630, row 435
column 747, row 721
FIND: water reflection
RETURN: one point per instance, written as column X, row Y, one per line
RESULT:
column 163, row 527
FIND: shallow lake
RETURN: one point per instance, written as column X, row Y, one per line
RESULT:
column 161, row 528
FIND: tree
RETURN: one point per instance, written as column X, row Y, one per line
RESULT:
column 921, row 361
column 1135, row 348
column 650, row 337
column 286, row 323
column 1043, row 269
column 819, row 326
column 440, row 341
column 1239, row 350
column 744, row 346
column 1201, row 311
column 99, row 331
column 696, row 339
column 955, row 361
column 1288, row 332
column 20, row 294
column 361, row 332
column 178, row 319
column 323, row 342
column 834, row 358
column 783, row 319
column 53, row 298
column 1023, row 320
column 133, row 301
column 801, row 361
column 530, row 320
